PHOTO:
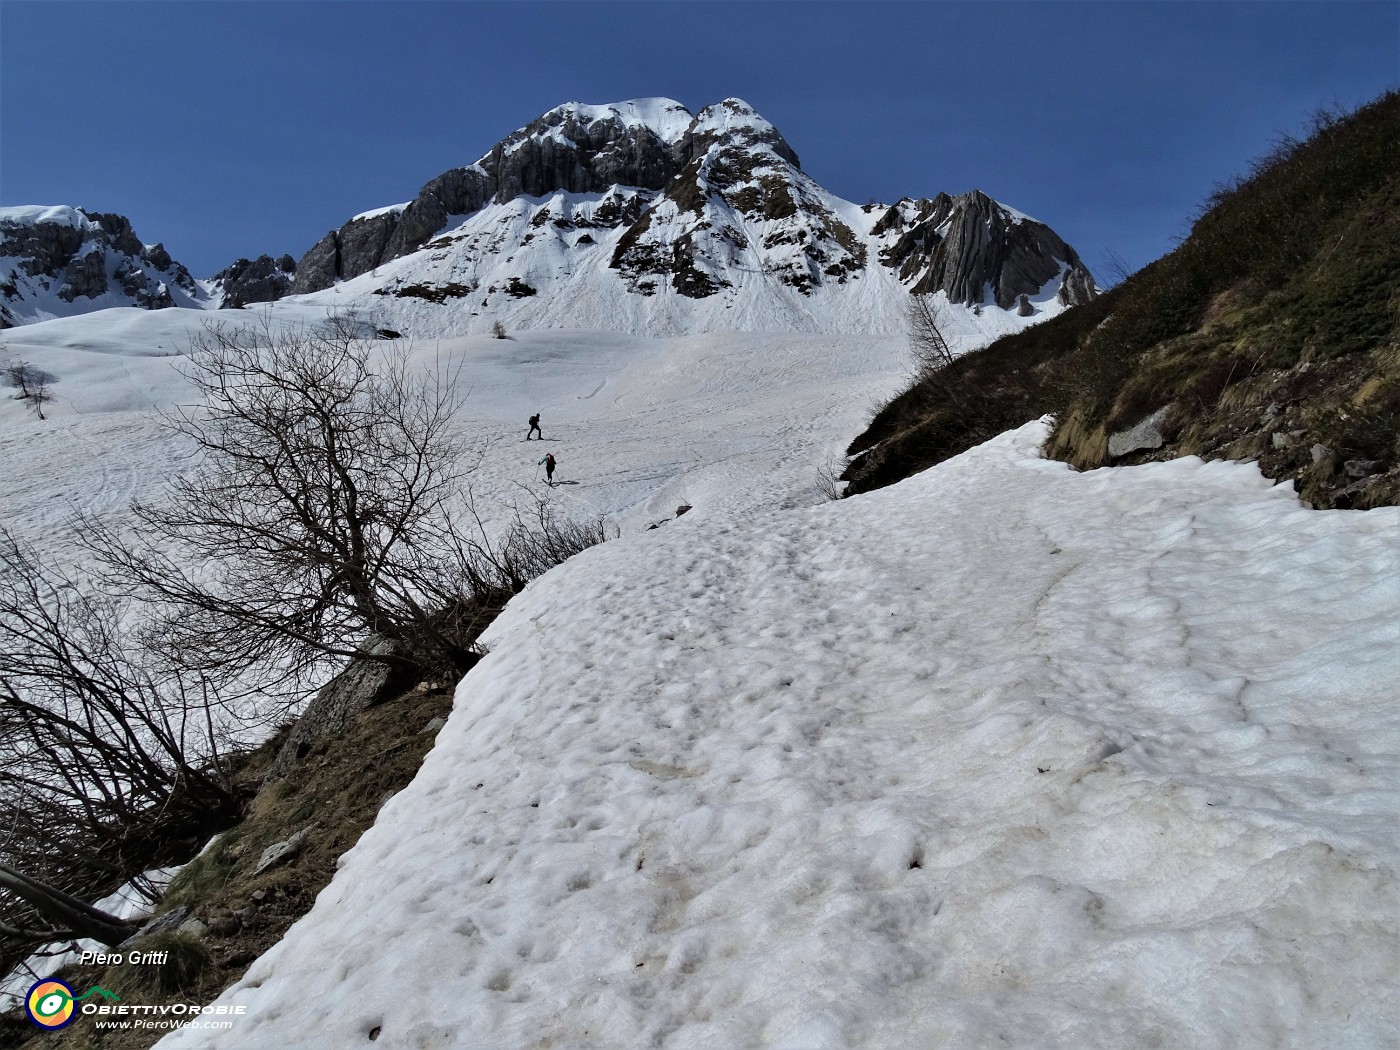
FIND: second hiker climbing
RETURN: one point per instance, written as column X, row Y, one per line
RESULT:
column 548, row 462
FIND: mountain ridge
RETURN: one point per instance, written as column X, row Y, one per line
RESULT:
column 713, row 207
column 60, row 255
column 680, row 222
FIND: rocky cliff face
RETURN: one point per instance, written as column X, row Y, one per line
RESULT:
column 576, row 148
column 740, row 203
column 967, row 245
column 260, row 280
column 639, row 216
column 61, row 260
column 695, row 204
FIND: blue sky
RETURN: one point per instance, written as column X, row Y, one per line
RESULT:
column 233, row 129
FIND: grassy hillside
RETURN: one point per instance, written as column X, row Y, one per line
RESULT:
column 1271, row 333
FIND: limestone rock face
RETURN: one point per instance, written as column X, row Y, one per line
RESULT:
column 261, row 280
column 579, row 149
column 70, row 261
column 366, row 242
column 362, row 242
column 741, row 204
column 574, row 148
column 319, row 267
column 45, row 247
column 456, row 192
column 970, row 246
column 702, row 202
column 1078, row 287
column 732, row 122
column 85, row 274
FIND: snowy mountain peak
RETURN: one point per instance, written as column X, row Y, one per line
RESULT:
column 59, row 260
column 641, row 216
column 666, row 118
column 731, row 115
column 736, row 125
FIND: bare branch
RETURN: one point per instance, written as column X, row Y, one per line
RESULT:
column 926, row 339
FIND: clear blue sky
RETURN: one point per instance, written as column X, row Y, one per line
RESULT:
column 233, row 129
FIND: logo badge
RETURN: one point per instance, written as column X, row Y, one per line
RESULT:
column 49, row 1004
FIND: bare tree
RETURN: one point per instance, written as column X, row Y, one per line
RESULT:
column 941, row 379
column 1116, row 267
column 926, row 340
column 498, row 330
column 39, row 396
column 70, row 918
column 32, row 384
column 107, row 762
column 21, row 375
column 18, row 374
column 328, row 510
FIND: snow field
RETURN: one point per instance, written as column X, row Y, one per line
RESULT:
column 1004, row 754
column 638, row 425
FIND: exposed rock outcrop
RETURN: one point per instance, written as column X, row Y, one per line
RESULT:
column 261, row 280
column 580, row 149
column 700, row 199
column 739, row 165
column 85, row 275
column 69, row 257
column 364, row 683
column 970, row 246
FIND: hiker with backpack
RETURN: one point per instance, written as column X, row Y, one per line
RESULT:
column 548, row 462
column 534, row 427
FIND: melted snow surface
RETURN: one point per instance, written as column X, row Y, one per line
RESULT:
column 1003, row 755
column 724, row 422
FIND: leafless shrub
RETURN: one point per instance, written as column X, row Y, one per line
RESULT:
column 323, row 510
column 105, row 758
column 830, row 485
column 31, row 383
column 1115, row 267
column 19, row 374
column 330, row 508
column 39, row 396
column 926, row 340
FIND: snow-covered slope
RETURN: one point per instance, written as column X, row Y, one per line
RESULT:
column 61, row 261
column 1004, row 755
column 638, row 425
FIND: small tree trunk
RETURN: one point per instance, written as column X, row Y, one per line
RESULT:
column 74, row 917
